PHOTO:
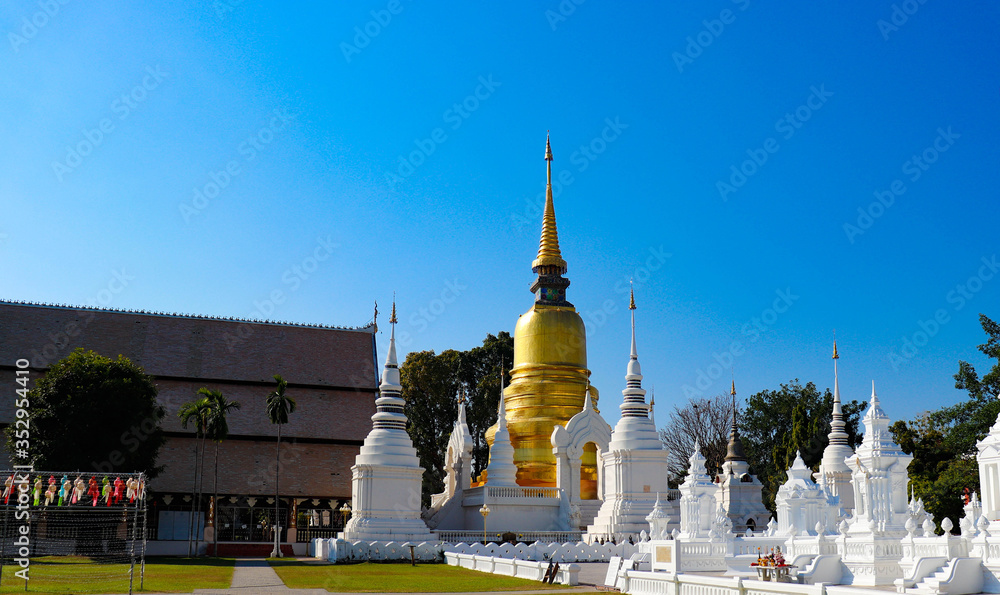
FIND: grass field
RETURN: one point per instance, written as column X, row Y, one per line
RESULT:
column 403, row 578
column 66, row 574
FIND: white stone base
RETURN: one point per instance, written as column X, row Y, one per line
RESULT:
column 871, row 560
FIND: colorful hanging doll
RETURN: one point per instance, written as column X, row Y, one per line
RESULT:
column 79, row 489
column 141, row 489
column 119, row 490
column 130, row 486
column 106, row 490
column 50, row 492
column 93, row 491
column 37, row 491
column 8, row 487
column 64, row 492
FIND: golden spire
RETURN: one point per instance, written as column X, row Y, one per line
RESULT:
column 548, row 247
column 835, row 355
column 392, row 317
column 733, row 391
column 631, row 296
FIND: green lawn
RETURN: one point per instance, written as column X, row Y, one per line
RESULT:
column 389, row 578
column 70, row 574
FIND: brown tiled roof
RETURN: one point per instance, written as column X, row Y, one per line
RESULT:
column 192, row 347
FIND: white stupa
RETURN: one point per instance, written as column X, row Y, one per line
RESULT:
column 635, row 465
column 501, row 471
column 801, row 504
column 739, row 489
column 385, row 483
column 698, row 508
column 879, row 477
column 834, row 475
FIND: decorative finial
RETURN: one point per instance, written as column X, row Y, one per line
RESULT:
column 392, row 317
column 732, row 391
column 549, row 260
column 835, row 354
column 375, row 317
column 631, row 296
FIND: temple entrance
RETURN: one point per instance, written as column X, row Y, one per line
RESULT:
column 588, row 472
column 249, row 523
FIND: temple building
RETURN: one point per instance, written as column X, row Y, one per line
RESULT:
column 330, row 373
column 739, row 489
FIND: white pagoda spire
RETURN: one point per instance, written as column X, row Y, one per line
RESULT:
column 386, row 476
column 501, row 471
column 634, row 430
column 834, row 474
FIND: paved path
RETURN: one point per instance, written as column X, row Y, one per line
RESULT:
column 256, row 577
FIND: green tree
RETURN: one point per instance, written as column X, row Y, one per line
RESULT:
column 795, row 418
column 279, row 406
column 943, row 442
column 90, row 412
column 196, row 412
column 217, row 430
column 479, row 372
column 431, row 387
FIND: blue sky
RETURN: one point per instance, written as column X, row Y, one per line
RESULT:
column 200, row 157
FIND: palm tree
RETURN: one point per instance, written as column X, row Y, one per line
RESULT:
column 217, row 429
column 195, row 412
column 279, row 406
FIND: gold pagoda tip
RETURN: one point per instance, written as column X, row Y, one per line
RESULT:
column 631, row 297
column 548, row 248
column 835, row 354
column 392, row 317
column 733, row 390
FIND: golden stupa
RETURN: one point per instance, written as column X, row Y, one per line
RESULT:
column 549, row 379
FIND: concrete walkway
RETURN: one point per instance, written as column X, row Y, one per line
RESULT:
column 256, row 577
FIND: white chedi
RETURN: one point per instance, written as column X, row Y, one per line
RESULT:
column 989, row 471
column 802, row 505
column 386, row 476
column 501, row 471
column 698, row 505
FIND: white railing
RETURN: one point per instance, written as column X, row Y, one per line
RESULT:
column 522, row 537
column 568, row 574
column 519, row 492
column 661, row 583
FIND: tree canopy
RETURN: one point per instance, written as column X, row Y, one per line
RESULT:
column 943, row 442
column 432, row 384
column 794, row 418
column 89, row 412
column 702, row 420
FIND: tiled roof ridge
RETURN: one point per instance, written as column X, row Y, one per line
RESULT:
column 367, row 328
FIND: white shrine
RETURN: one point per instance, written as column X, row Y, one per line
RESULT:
column 834, row 474
column 739, row 490
column 870, row 548
column 386, row 476
column 634, row 467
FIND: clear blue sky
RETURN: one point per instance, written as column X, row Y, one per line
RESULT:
column 114, row 116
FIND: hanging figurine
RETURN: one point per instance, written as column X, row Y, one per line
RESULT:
column 93, row 491
column 64, row 492
column 131, row 484
column 37, row 491
column 79, row 489
column 8, row 487
column 106, row 490
column 119, row 488
column 141, row 488
column 50, row 493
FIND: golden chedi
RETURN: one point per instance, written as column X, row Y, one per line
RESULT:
column 550, row 376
